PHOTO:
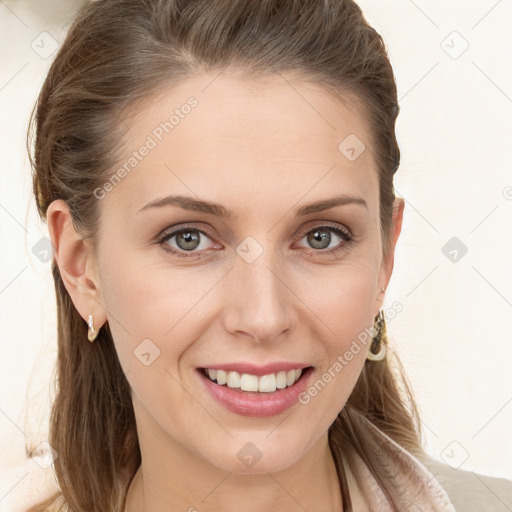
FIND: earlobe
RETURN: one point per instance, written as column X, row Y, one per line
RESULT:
column 75, row 261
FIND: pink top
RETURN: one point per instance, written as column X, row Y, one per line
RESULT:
column 417, row 489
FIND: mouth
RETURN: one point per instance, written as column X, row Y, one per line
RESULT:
column 255, row 395
column 255, row 384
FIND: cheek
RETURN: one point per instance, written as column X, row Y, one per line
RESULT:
column 159, row 310
column 341, row 314
column 343, row 300
column 151, row 314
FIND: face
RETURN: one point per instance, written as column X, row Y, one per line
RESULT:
column 268, row 282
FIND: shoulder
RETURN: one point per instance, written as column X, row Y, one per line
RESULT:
column 470, row 491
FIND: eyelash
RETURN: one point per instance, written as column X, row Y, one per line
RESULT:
column 345, row 235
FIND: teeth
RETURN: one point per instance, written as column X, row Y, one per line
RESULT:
column 281, row 380
column 267, row 383
column 233, row 380
column 222, row 377
column 247, row 382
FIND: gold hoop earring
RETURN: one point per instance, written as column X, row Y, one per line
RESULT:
column 92, row 332
column 377, row 339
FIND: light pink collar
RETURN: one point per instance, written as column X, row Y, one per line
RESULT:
column 415, row 487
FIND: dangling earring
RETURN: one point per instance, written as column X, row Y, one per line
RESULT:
column 91, row 335
column 377, row 339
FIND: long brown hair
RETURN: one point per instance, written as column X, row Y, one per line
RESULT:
column 116, row 53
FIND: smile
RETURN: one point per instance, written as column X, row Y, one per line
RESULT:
column 252, row 395
column 248, row 382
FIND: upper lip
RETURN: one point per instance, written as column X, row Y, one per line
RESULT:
column 253, row 369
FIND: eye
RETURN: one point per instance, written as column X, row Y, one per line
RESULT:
column 187, row 239
column 191, row 240
column 320, row 238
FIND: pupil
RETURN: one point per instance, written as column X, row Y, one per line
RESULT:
column 318, row 238
column 191, row 240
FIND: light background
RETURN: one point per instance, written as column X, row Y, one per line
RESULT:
column 454, row 334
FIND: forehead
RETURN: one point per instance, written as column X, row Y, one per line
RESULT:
column 224, row 138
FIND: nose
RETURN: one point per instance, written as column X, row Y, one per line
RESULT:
column 261, row 302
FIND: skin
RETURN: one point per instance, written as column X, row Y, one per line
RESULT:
column 262, row 151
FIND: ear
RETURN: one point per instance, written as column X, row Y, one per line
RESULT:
column 77, row 263
column 388, row 263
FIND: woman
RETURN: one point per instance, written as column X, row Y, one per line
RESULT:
column 217, row 178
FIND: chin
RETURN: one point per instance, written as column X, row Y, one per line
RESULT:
column 259, row 456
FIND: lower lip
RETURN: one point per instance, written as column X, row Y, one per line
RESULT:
column 254, row 403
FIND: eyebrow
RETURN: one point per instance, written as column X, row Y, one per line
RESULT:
column 216, row 209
